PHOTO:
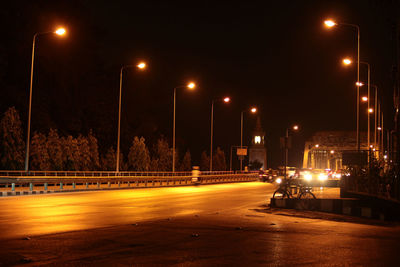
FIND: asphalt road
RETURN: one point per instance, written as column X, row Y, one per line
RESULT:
column 212, row 225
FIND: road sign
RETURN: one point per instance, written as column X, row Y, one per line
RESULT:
column 241, row 152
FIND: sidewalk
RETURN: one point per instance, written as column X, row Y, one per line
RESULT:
column 328, row 200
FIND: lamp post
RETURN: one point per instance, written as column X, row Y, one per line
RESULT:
column 225, row 100
column 140, row 66
column 330, row 24
column 252, row 110
column 190, row 86
column 376, row 112
column 369, row 97
column 295, row 128
column 59, row 32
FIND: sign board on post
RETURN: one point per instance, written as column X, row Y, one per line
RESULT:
column 241, row 152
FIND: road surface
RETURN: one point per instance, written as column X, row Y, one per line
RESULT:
column 212, row 225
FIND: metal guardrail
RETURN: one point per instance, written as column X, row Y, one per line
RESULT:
column 12, row 173
column 14, row 185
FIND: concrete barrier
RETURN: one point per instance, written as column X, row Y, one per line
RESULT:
column 349, row 206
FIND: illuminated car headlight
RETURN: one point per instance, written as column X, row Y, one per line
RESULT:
column 308, row 177
column 322, row 177
column 279, row 180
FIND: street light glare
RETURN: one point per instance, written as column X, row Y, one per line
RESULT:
column 227, row 99
column 332, row 151
column 347, row 61
column 359, row 84
column 364, row 99
column 60, row 31
column 379, row 128
column 191, row 85
column 141, row 65
column 329, row 23
column 296, row 127
column 371, row 110
column 253, row 110
column 316, row 145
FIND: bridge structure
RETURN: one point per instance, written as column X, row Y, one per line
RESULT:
column 325, row 149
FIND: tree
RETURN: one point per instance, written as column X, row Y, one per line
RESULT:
column 40, row 159
column 93, row 151
column 11, row 141
column 219, row 162
column 162, row 156
column 204, row 161
column 109, row 161
column 83, row 154
column 139, row 157
column 186, row 164
column 54, row 147
column 71, row 153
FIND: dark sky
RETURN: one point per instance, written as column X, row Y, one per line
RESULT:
column 276, row 55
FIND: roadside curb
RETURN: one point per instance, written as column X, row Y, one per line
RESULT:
column 348, row 206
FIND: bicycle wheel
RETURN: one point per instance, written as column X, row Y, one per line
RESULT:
column 307, row 195
column 279, row 194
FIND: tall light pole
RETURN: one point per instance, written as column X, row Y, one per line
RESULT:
column 252, row 110
column 225, row 100
column 59, row 32
column 294, row 128
column 330, row 24
column 369, row 97
column 140, row 66
column 190, row 86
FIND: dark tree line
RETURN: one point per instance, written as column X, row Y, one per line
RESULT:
column 52, row 151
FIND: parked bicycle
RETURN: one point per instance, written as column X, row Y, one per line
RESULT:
column 293, row 189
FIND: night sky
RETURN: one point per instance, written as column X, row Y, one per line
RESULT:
column 276, row 55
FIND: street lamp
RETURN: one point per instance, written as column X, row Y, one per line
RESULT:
column 377, row 113
column 59, row 32
column 294, row 128
column 140, row 66
column 329, row 24
column 252, row 110
column 364, row 98
column 190, row 86
column 225, row 100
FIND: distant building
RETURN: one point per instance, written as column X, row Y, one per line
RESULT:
column 257, row 151
column 325, row 149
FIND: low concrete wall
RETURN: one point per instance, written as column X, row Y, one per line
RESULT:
column 347, row 206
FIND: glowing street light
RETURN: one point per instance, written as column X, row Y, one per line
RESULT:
column 330, row 23
column 379, row 128
column 364, row 98
column 359, row 84
column 59, row 32
column 225, row 100
column 252, row 110
column 332, row 151
column 190, row 86
column 347, row 61
column 140, row 66
column 317, row 146
column 370, row 110
column 295, row 127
